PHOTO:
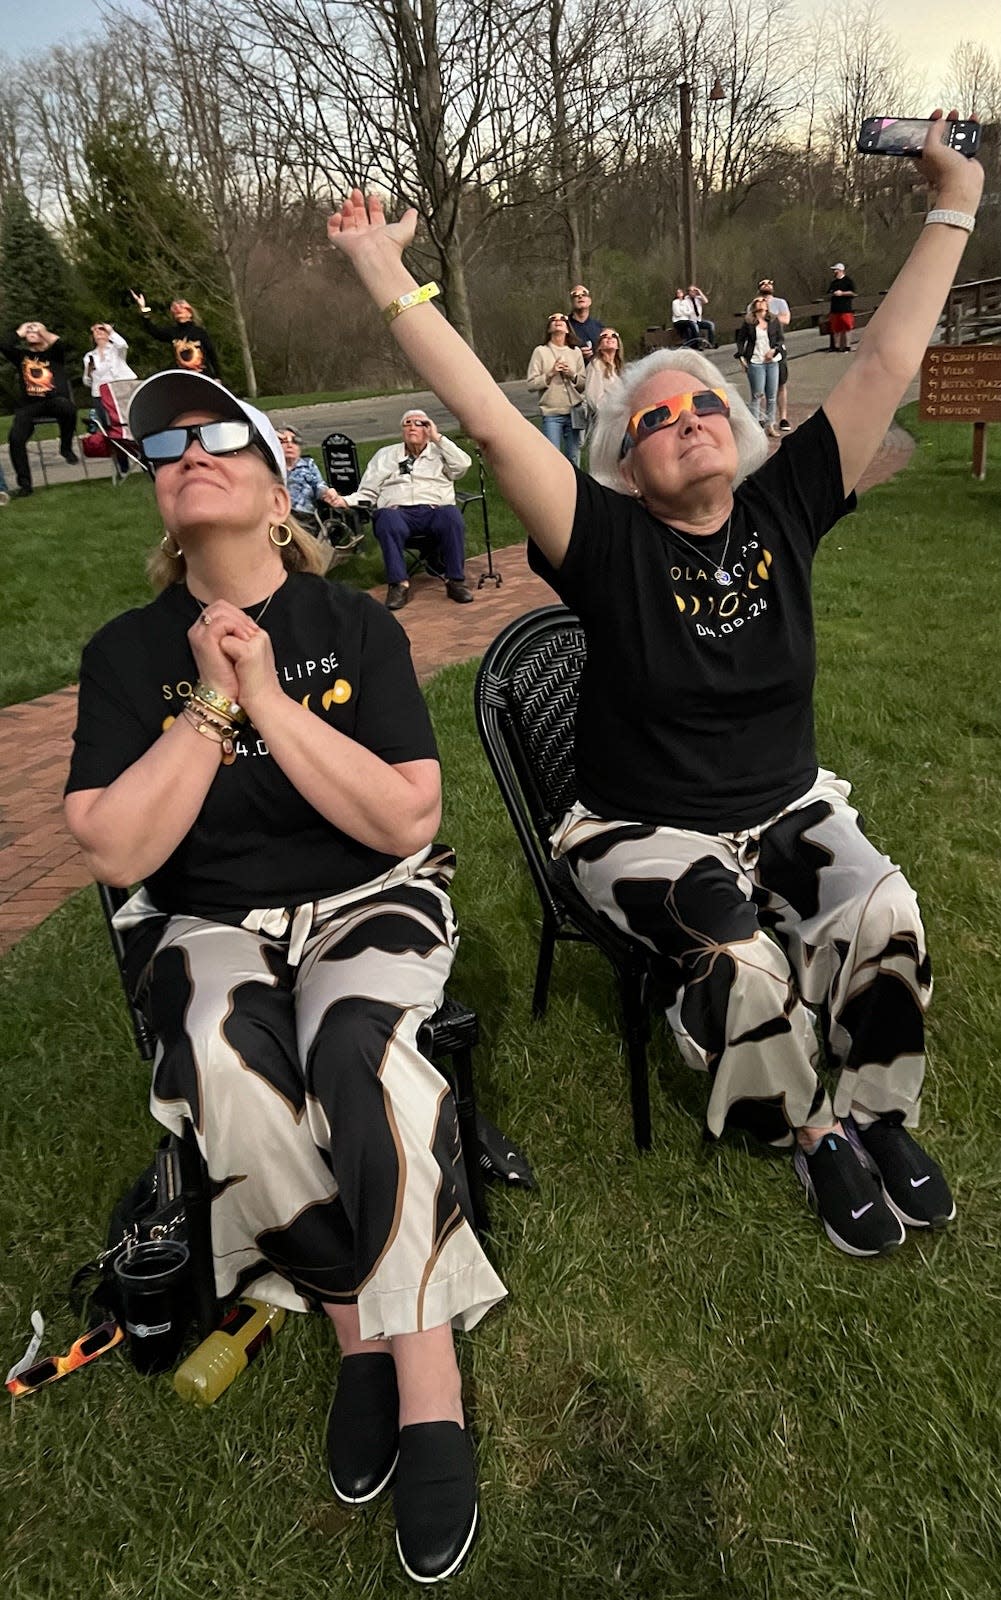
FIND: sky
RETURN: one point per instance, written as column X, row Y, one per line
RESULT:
column 917, row 24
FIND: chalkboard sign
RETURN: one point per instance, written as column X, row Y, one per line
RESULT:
column 340, row 463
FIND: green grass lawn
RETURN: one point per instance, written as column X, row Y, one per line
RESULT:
column 73, row 556
column 689, row 1394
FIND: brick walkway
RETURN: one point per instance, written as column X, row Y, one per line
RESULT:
column 39, row 863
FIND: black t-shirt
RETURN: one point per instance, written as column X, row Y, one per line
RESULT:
column 192, row 344
column 696, row 701
column 256, row 842
column 41, row 373
column 842, row 302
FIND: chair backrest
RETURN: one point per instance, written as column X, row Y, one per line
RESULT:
column 526, row 707
column 112, row 900
column 340, row 463
column 117, row 397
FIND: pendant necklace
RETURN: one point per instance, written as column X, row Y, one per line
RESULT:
column 259, row 615
column 721, row 574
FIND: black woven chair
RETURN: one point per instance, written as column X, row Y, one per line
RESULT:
column 526, row 705
column 447, row 1038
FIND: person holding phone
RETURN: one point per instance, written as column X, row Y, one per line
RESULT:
column 414, row 493
column 841, row 316
column 704, row 823
column 585, row 328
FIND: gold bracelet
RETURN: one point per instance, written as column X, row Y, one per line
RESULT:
column 218, row 702
column 213, row 730
column 207, row 713
column 416, row 297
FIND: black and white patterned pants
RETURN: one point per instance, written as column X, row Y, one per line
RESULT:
column 289, row 1043
column 764, row 932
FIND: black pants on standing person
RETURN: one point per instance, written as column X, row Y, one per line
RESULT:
column 55, row 408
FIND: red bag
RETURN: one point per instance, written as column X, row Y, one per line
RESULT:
column 96, row 445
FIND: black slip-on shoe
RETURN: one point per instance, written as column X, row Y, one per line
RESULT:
column 844, row 1190
column 397, row 596
column 434, row 1498
column 915, row 1188
column 456, row 590
column 363, row 1428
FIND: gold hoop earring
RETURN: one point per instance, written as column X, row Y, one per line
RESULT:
column 280, row 544
column 176, row 553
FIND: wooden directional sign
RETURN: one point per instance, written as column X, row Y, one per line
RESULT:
column 961, row 383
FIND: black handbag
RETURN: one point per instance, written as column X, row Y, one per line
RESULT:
column 152, row 1208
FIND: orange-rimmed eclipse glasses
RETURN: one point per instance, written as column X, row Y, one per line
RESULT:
column 665, row 413
column 87, row 1348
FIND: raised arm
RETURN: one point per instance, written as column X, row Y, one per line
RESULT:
column 536, row 480
column 861, row 407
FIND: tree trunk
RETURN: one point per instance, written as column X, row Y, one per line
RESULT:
column 249, row 375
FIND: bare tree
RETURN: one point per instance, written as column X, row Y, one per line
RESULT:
column 973, row 81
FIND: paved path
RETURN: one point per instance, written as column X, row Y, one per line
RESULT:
column 39, row 863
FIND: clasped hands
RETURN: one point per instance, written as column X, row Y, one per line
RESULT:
column 234, row 656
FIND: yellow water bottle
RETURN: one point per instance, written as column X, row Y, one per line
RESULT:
column 246, row 1328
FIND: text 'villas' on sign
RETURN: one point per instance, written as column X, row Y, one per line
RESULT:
column 961, row 383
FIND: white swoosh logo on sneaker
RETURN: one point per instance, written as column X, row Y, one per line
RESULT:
column 862, row 1210
column 917, row 1182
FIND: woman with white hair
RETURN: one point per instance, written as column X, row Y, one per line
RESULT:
column 703, row 824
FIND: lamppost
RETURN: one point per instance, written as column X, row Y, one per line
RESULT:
column 685, row 95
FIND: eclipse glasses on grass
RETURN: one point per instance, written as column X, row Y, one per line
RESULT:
column 83, row 1350
column 665, row 413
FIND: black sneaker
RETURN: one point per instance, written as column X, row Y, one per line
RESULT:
column 845, row 1191
column 915, row 1189
column 434, row 1499
column 785, row 426
column 363, row 1428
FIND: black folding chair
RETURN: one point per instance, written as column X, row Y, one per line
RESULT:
column 526, row 706
column 464, row 498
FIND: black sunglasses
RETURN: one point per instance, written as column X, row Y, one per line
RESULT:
column 216, row 439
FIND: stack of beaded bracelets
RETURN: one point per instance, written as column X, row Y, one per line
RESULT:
column 216, row 717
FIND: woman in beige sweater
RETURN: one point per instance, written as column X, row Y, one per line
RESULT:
column 556, row 375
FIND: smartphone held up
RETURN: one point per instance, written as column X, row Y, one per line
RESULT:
column 905, row 136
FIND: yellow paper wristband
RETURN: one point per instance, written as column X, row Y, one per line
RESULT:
column 416, row 297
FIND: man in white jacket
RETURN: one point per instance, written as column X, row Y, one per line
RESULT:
column 413, row 491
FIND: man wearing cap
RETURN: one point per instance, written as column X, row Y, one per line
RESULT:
column 585, row 328
column 415, row 494
column 841, row 320
column 777, row 307
column 306, row 487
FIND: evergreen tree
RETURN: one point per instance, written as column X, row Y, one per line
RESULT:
column 36, row 281
column 135, row 227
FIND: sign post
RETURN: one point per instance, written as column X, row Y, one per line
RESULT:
column 962, row 383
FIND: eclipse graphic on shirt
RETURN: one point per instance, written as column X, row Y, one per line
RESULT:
column 189, row 354
column 38, row 379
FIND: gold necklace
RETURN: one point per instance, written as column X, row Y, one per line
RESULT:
column 259, row 615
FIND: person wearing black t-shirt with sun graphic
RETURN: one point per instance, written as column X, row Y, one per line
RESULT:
column 704, row 825
column 192, row 344
column 46, row 395
column 254, row 749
